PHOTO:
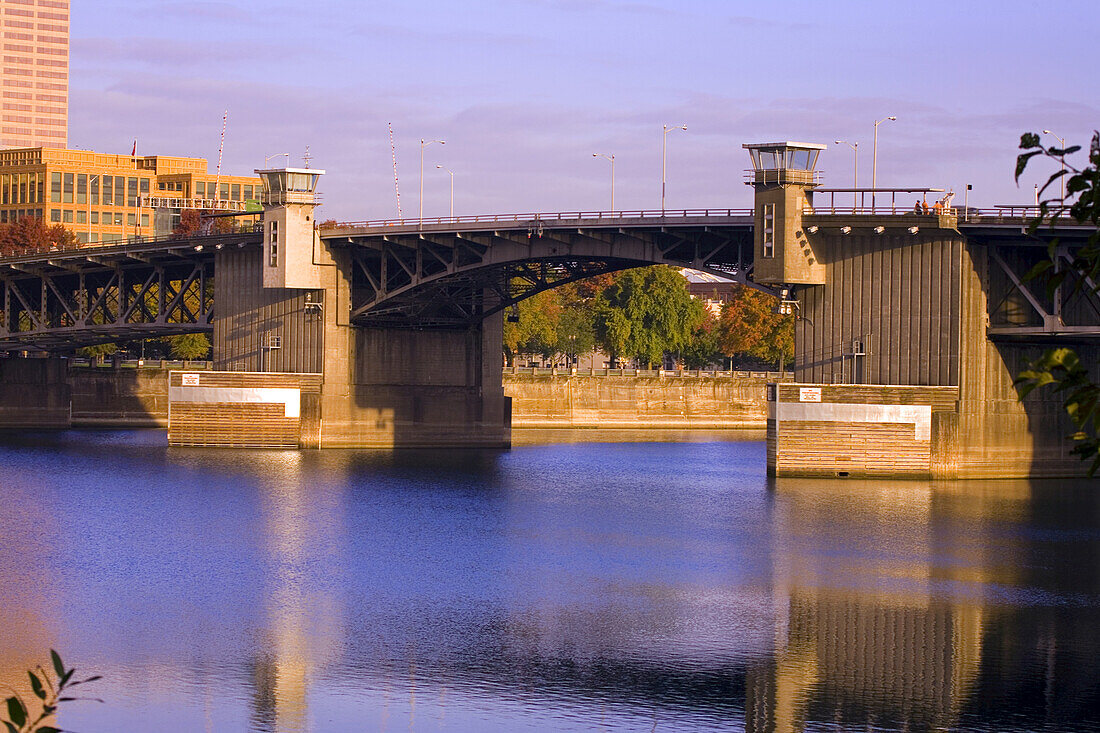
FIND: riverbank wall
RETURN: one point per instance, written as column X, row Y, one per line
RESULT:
column 629, row 398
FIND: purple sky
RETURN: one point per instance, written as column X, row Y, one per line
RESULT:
column 524, row 91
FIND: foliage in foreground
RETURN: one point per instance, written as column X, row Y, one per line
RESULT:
column 1062, row 369
column 50, row 690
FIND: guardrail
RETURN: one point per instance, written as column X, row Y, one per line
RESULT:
column 122, row 246
column 108, row 363
column 593, row 372
column 547, row 217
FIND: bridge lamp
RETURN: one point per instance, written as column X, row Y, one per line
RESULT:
column 845, row 230
column 664, row 157
column 880, row 230
column 276, row 155
column 452, row 174
column 612, row 159
column 1062, row 142
column 423, row 144
column 874, row 161
column 812, row 229
column 914, row 230
column 198, row 248
column 855, row 170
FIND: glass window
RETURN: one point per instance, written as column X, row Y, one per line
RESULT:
column 768, row 234
column 95, row 190
column 235, row 192
column 55, row 187
column 131, row 191
column 118, row 218
column 145, row 220
column 95, row 217
column 144, row 186
column 247, row 193
column 223, row 192
column 81, row 217
column 108, row 183
column 55, row 215
column 67, row 188
column 5, row 182
column 200, row 189
column 67, row 216
column 120, row 191
column 131, row 219
column 82, row 188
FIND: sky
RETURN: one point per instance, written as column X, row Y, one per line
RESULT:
column 525, row 91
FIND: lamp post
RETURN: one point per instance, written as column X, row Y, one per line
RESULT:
column 612, row 159
column 452, row 174
column 855, row 170
column 1062, row 178
column 874, row 160
column 664, row 157
column 90, row 179
column 423, row 144
column 276, row 155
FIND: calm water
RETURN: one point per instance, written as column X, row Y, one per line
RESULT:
column 573, row 586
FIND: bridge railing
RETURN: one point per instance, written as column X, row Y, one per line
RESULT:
column 542, row 216
column 604, row 372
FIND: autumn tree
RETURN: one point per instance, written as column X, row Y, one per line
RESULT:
column 749, row 327
column 193, row 224
column 31, row 234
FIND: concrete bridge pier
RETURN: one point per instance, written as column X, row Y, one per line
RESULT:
column 34, row 394
column 282, row 310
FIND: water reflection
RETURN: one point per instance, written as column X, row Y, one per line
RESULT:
column 574, row 586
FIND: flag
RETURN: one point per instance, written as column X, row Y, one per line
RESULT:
column 134, row 151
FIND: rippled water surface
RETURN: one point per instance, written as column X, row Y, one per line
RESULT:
column 576, row 585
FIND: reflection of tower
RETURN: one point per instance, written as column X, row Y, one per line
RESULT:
column 891, row 654
column 301, row 617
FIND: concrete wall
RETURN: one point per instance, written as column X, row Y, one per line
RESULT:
column 861, row 430
column 117, row 397
column 585, row 401
column 34, row 393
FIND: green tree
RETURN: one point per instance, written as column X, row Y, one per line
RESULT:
column 97, row 350
column 645, row 313
column 536, row 330
column 1062, row 369
column 703, row 349
column 189, row 346
column 749, row 327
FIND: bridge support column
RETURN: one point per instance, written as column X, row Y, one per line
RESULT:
column 34, row 393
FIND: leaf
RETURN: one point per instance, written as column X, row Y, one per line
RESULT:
column 49, row 729
column 17, row 712
column 11, row 728
column 1029, row 140
column 36, row 686
column 57, row 665
column 1022, row 161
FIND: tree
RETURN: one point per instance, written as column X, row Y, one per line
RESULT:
column 645, row 313
column 749, row 327
column 31, row 234
column 703, row 350
column 193, row 224
column 536, row 330
column 189, row 346
column 1062, row 369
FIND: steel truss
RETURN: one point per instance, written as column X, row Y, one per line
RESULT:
column 454, row 279
column 1021, row 308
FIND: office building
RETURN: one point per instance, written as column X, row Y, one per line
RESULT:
column 34, row 78
column 110, row 198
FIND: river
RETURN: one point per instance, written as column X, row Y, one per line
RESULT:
column 579, row 582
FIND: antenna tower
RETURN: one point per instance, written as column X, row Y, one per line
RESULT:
column 396, row 188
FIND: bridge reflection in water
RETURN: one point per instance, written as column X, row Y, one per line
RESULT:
column 470, row 591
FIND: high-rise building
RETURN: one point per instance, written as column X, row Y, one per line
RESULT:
column 34, row 78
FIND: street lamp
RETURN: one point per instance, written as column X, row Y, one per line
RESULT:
column 90, row 179
column 855, row 170
column 612, row 159
column 276, row 155
column 874, row 160
column 664, row 146
column 1062, row 178
column 423, row 144
column 452, row 174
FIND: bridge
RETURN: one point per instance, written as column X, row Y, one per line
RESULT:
column 911, row 325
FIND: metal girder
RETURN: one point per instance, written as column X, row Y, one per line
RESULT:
column 1022, row 309
column 455, row 278
column 94, row 300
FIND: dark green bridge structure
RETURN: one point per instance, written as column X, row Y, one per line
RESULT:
column 911, row 326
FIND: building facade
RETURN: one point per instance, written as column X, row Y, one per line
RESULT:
column 106, row 198
column 34, row 78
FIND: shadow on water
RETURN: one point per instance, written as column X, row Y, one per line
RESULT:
column 615, row 585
